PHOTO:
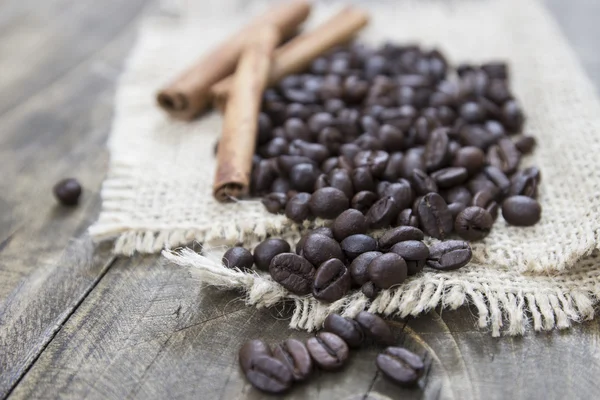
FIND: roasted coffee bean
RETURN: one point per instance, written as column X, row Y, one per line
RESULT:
column 523, row 184
column 295, row 128
column 525, row 144
column 486, row 200
column 472, row 112
column 263, row 176
column 394, row 167
column 449, row 177
column 67, row 191
column 458, row 194
column 359, row 267
column 383, row 213
column 399, row 234
column 363, row 201
column 413, row 159
column 391, row 138
column 250, row 350
column 381, row 188
column 496, row 69
column 423, row 183
column 473, row 223
column 362, row 179
column 275, row 147
column 285, row 163
column 411, row 250
column 328, row 350
column 334, row 106
column 449, row 255
column 315, row 151
column 295, row 356
column 400, row 366
column 265, row 128
column 346, row 328
column 350, row 222
column 267, row 249
column 349, row 150
column 319, row 248
column 369, row 124
column 407, row 218
column 434, row 216
column 297, row 208
column 533, row 172
column 355, row 245
column 512, row 116
column 292, row 272
column 498, row 178
column 387, row 270
column 319, row 66
column 269, row 375
column 297, row 110
column 370, row 290
column 456, row 208
column 303, row 177
column 504, row 156
column 401, row 191
column 521, row 211
column 437, row 149
column 279, row 132
column 331, row 138
column 332, row 280
column 340, row 179
column 480, row 183
column 238, row 257
column 375, row 160
column 336, row 162
column 498, row 92
column 328, row 203
column 423, row 127
column 375, row 328
column 320, row 121
column 322, row 230
column 280, row 186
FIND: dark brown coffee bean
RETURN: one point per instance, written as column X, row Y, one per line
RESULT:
column 523, row 184
column 267, row 249
column 350, row 222
column 449, row 255
column 328, row 203
column 437, row 149
column 319, row 248
column 292, row 272
column 265, row 128
column 370, row 290
column 458, row 194
column 498, row 178
column 383, row 213
column 331, row 138
column 269, row 374
column 400, row 366
column 387, row 270
column 340, row 179
column 355, row 245
column 349, row 150
column 407, row 218
column 280, row 186
column 496, row 69
column 498, row 91
column 275, row 147
column 472, row 112
column 375, row 328
column 391, row 138
column 346, row 328
column 375, row 160
column 362, row 179
column 399, row 234
column 486, row 200
column 238, row 257
column 411, row 250
column 401, row 191
column 369, row 124
column 295, row 128
column 456, row 208
column 285, row 163
column 504, row 156
column 449, row 177
column 322, row 230
column 512, row 116
column 297, row 208
column 250, row 350
column 525, row 144
column 413, row 159
column 263, row 176
column 315, row 151
column 480, row 183
column 67, row 191
column 521, row 211
column 394, row 167
column 473, row 223
column 476, row 136
column 295, row 356
column 332, row 281
column 359, row 267
column 533, row 172
column 297, row 110
column 434, row 216
column 328, row 350
column 363, row 201
column 422, row 183
column 303, row 177
column 320, row 121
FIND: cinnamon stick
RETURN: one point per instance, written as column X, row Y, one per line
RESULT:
column 297, row 54
column 240, row 123
column 189, row 94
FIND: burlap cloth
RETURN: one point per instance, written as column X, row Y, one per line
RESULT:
column 158, row 191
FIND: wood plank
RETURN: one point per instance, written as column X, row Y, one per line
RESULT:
column 47, row 264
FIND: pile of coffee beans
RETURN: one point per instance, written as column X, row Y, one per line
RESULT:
column 400, row 136
column 274, row 370
column 329, row 262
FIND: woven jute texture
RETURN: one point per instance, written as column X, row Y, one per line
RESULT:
column 158, row 190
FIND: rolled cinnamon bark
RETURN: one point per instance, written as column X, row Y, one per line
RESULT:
column 240, row 123
column 189, row 94
column 298, row 53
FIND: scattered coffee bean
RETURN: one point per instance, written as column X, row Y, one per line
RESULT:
column 375, row 328
column 387, row 270
column 332, row 281
column 422, row 182
column 275, row 202
column 525, row 144
column 319, row 248
column 401, row 366
column 449, row 177
column 269, row 374
column 355, row 245
column 303, row 177
column 350, row 222
column 434, row 216
column 363, row 201
column 295, row 356
column 521, row 211
column 407, row 218
column 266, row 250
column 473, row 223
column 437, row 152
column 469, row 157
column 412, row 250
column 383, row 213
column 238, row 257
column 67, row 191
column 292, row 272
column 297, row 208
column 399, row 234
column 347, row 329
column 523, row 184
column 449, row 255
column 359, row 267
column 250, row 350
column 370, row 290
column 328, row 203
column 328, row 350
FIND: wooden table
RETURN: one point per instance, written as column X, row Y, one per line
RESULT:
column 77, row 322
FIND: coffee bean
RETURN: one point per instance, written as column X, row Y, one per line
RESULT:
column 383, row 213
column 275, row 147
column 67, row 191
column 411, row 250
column 472, row 112
column 363, row 201
column 422, row 183
column 346, row 328
column 449, row 177
column 498, row 178
column 486, row 200
column 328, row 203
column 437, row 151
column 369, row 124
column 267, row 249
column 238, row 257
column 480, row 183
column 285, row 163
column 280, row 186
column 332, row 281
column 434, row 216
column 359, row 267
column 304, row 176
column 458, row 194
column 400, row 366
column 394, row 167
column 362, row 179
column 521, row 211
column 292, row 272
column 504, row 156
column 319, row 248
column 328, row 350
column 449, row 255
column 350, row 150
column 391, row 138
column 523, row 184
column 399, row 234
column 375, row 328
column 269, row 374
column 456, row 208
column 355, row 245
column 331, row 138
column 317, row 231
column 413, row 159
column 320, row 121
column 525, row 144
column 295, row 128
column 473, row 223
column 315, row 151
column 407, row 218
column 297, row 110
column 250, row 350
column 340, row 179
column 512, row 116
column 297, row 208
column 401, row 192
column 533, row 172
column 265, row 128
column 387, row 270
column 375, row 160
column 295, row 356
column 350, row 222
column 370, row 290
